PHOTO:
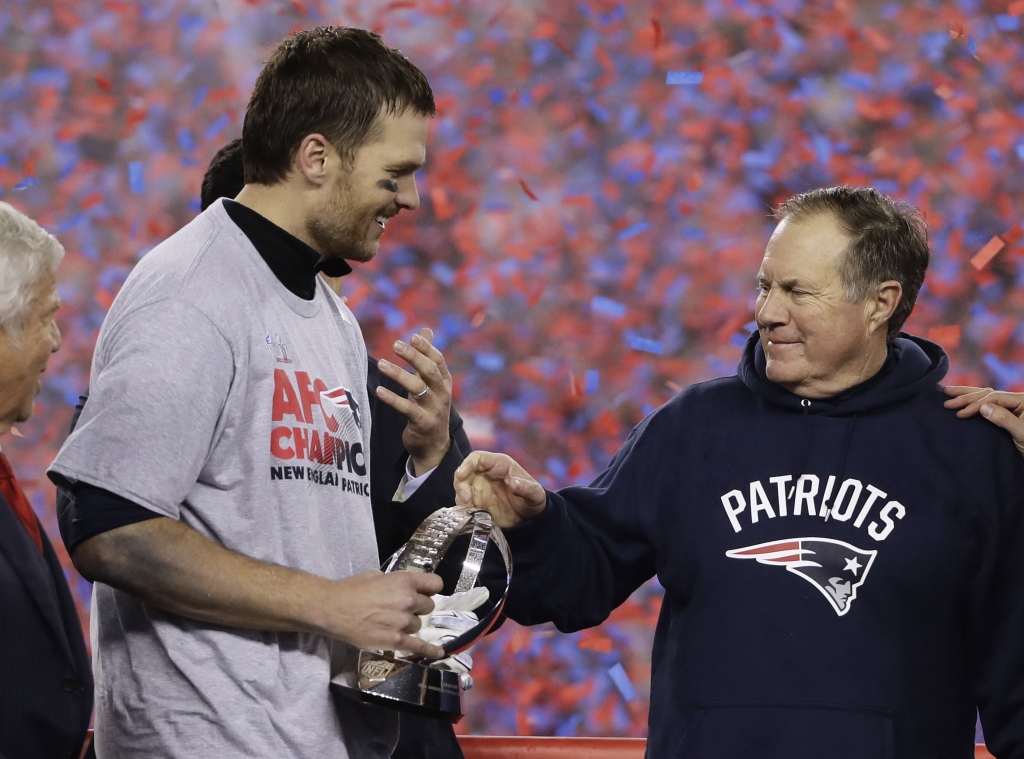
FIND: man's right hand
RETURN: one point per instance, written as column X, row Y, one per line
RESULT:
column 494, row 482
column 378, row 611
column 171, row 566
column 1003, row 409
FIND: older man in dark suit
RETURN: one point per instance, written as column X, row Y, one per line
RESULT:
column 45, row 680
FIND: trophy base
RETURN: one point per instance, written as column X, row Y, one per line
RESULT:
column 408, row 686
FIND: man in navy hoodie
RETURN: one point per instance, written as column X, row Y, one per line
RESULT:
column 842, row 558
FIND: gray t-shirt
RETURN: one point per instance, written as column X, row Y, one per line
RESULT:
column 220, row 399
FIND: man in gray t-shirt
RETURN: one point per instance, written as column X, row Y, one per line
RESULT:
column 225, row 403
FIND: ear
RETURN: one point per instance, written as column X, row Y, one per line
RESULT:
column 312, row 158
column 883, row 303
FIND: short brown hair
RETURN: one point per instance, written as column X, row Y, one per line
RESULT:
column 888, row 241
column 329, row 80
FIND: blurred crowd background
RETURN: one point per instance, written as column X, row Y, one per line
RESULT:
column 594, row 210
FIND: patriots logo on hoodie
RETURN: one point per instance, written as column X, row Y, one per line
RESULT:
column 835, row 568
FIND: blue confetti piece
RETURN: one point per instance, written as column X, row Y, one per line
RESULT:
column 750, row 327
column 136, row 180
column 496, row 96
column 183, row 72
column 856, row 80
column 1020, row 151
column 185, row 140
column 491, row 362
column 557, row 467
column 634, row 230
column 1007, row 23
column 199, row 97
column 608, row 307
column 443, row 273
column 4, row 160
column 598, row 111
column 591, row 381
column 972, row 47
column 621, row 679
column 25, row 183
column 191, row 23
column 645, row 344
column 738, row 340
column 195, row 205
column 215, row 128
column 684, row 77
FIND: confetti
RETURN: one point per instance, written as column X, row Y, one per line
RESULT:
column 560, row 335
column 684, row 77
column 527, row 190
column 657, row 32
column 622, row 682
column 987, row 253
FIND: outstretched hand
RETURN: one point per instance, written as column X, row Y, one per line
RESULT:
column 428, row 405
column 1003, row 409
column 495, row 483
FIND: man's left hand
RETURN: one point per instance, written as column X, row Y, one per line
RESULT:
column 429, row 403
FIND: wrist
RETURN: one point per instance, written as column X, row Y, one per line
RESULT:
column 421, row 464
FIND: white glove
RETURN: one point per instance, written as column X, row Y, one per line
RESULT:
column 452, row 616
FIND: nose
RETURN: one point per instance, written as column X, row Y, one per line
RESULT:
column 770, row 310
column 408, row 195
column 55, row 339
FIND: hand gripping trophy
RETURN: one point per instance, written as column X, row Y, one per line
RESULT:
column 435, row 689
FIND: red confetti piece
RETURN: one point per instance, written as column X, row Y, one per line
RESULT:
column 674, row 387
column 947, row 337
column 1015, row 8
column 1013, row 234
column 300, row 7
column 597, row 643
column 478, row 318
column 987, row 253
column 442, row 207
column 694, row 182
column 561, row 46
column 103, row 83
column 16, row 432
column 574, row 386
column 944, row 91
column 956, row 30
column 398, row 6
column 527, row 190
column 91, row 201
column 657, row 33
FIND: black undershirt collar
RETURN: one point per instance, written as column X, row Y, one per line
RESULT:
column 293, row 262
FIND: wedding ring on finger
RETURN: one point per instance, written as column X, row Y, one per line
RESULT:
column 420, row 395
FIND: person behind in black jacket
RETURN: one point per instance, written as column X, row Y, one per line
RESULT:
column 45, row 681
column 841, row 555
column 395, row 518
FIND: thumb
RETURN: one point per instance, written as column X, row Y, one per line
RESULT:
column 1005, row 419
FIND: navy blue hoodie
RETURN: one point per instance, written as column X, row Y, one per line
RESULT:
column 844, row 578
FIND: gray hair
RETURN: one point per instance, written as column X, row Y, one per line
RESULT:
column 888, row 241
column 27, row 252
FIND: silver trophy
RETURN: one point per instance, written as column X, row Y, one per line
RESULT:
column 419, row 685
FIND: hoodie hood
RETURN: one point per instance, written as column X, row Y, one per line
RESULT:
column 913, row 365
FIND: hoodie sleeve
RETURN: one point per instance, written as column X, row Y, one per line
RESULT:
column 997, row 628
column 587, row 551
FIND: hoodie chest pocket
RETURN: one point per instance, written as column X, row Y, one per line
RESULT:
column 792, row 731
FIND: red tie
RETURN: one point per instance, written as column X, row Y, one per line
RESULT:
column 15, row 496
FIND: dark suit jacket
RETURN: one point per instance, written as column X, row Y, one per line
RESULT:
column 46, row 687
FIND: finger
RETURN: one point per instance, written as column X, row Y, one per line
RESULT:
column 972, row 394
column 958, row 390
column 412, row 383
column 1005, row 419
column 403, row 406
column 425, row 367
column 529, row 490
column 427, row 584
column 417, row 647
column 423, row 341
column 494, row 465
column 1011, row 401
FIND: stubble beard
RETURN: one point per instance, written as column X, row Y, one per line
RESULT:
column 339, row 228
